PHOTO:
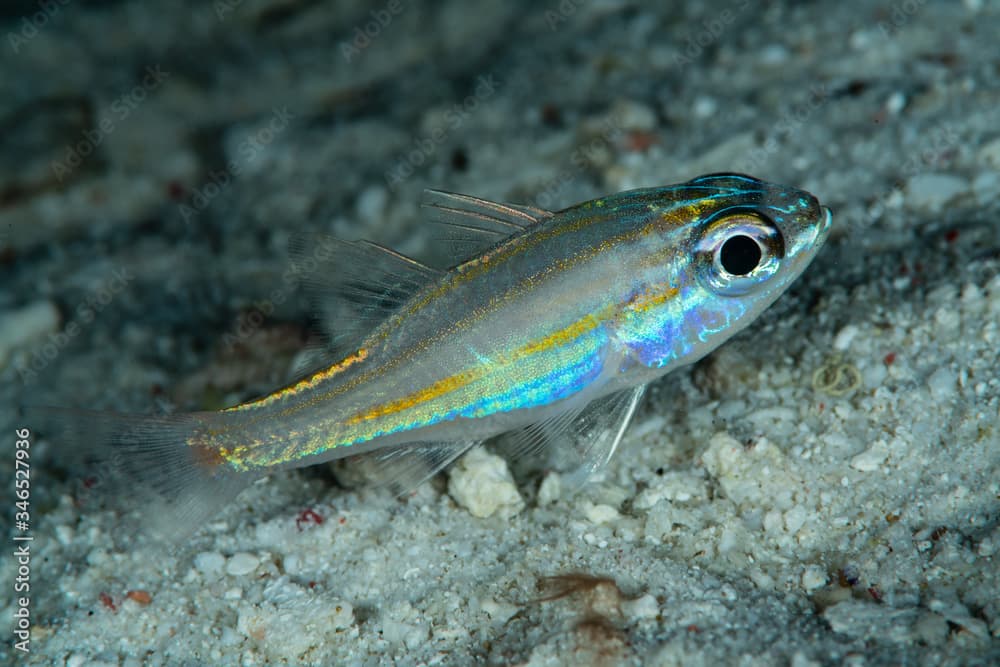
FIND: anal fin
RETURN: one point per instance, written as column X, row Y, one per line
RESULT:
column 405, row 467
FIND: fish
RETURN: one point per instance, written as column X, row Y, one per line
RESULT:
column 544, row 326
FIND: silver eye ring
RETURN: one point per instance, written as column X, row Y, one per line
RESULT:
column 737, row 252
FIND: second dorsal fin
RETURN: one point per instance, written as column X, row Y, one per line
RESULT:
column 472, row 225
column 354, row 285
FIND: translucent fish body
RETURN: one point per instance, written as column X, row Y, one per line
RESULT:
column 552, row 324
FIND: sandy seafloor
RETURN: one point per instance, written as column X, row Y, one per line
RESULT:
column 824, row 489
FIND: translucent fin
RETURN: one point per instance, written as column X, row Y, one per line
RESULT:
column 451, row 207
column 535, row 438
column 145, row 460
column 585, row 437
column 472, row 225
column 402, row 469
column 317, row 353
column 354, row 285
column 600, row 428
column 533, row 211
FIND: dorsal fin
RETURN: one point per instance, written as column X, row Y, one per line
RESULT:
column 473, row 225
column 354, row 285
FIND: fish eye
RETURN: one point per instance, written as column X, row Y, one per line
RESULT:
column 738, row 251
column 740, row 254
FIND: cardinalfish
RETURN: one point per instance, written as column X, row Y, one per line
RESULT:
column 548, row 325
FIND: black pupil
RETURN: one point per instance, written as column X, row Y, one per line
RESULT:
column 740, row 255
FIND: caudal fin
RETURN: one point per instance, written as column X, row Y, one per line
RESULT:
column 165, row 464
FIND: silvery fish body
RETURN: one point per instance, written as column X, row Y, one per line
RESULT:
column 551, row 328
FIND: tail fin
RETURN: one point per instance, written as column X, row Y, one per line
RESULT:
column 166, row 462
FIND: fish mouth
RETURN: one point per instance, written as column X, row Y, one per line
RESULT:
column 811, row 246
column 823, row 231
column 820, row 232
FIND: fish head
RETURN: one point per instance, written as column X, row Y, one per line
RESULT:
column 729, row 246
column 758, row 238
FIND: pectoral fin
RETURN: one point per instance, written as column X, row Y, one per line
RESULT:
column 580, row 438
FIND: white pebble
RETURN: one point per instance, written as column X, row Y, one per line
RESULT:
column 65, row 534
column 895, row 103
column 481, row 483
column 989, row 154
column 941, row 383
column 396, row 632
column 813, row 577
column 773, row 522
column 632, row 115
column 774, row 54
column 641, row 429
column 209, row 562
column 971, row 294
column 871, row 458
column 550, row 489
column 675, row 486
column 26, row 325
column 946, row 318
column 241, row 564
column 844, row 337
column 286, row 631
column 932, row 191
column 861, row 620
column 800, row 659
column 704, row 107
column 599, row 513
column 987, row 547
column 642, row 607
column 932, row 628
column 985, row 186
column 499, row 612
column 795, row 518
column 370, row 204
column 958, row 614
